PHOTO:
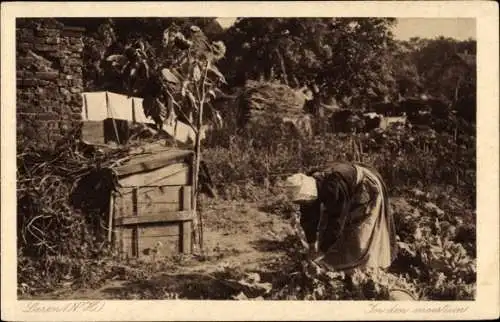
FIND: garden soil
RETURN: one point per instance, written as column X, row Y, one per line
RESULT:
column 237, row 236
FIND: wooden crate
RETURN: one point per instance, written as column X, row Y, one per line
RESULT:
column 152, row 213
column 153, row 221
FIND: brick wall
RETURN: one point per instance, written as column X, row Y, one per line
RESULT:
column 49, row 80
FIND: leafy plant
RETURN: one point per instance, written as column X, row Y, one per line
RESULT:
column 178, row 83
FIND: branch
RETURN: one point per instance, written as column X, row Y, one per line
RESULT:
column 203, row 93
column 182, row 112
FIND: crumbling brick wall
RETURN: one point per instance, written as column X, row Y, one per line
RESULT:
column 49, row 81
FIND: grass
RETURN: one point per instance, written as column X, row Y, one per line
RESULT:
column 248, row 165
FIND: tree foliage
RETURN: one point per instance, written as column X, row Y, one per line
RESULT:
column 340, row 57
column 355, row 61
column 442, row 68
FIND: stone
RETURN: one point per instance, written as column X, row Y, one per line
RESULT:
column 77, row 82
column 74, row 29
column 52, row 125
column 77, row 108
column 47, row 75
column 71, row 33
column 44, row 47
column 65, row 68
column 55, row 55
column 40, row 40
column 23, row 61
column 25, row 96
column 42, row 82
column 41, row 63
column 58, row 108
column 74, row 62
column 52, row 40
column 48, row 116
column 64, row 91
column 24, row 32
column 24, row 46
column 54, row 137
column 25, row 107
column 25, row 38
column 27, row 82
column 75, row 40
column 48, row 32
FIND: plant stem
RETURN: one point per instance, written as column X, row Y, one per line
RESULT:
column 198, row 156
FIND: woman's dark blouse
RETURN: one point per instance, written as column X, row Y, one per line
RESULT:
column 336, row 187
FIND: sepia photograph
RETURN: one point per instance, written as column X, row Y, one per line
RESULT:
column 328, row 158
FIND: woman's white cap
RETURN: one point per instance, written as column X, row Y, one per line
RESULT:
column 300, row 187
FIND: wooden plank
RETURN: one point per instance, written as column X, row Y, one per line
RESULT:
column 134, row 202
column 110, row 218
column 152, row 162
column 150, row 200
column 155, row 240
column 175, row 174
column 160, row 229
column 149, row 194
column 126, row 250
column 123, row 202
column 186, row 197
column 160, row 194
column 93, row 132
column 157, row 247
column 148, row 209
column 119, row 240
column 125, row 241
column 180, row 178
column 185, row 236
column 145, row 246
column 135, row 241
column 151, row 209
column 165, row 217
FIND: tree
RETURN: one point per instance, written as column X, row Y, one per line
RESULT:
column 404, row 68
column 341, row 57
column 441, row 68
column 177, row 80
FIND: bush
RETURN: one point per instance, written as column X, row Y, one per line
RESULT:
column 58, row 232
column 437, row 257
column 404, row 157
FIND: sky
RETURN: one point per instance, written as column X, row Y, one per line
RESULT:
column 458, row 28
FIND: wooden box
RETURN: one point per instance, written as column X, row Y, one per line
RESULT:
column 152, row 210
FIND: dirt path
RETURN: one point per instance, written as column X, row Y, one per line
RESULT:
column 237, row 235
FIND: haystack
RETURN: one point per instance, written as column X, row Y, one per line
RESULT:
column 264, row 102
column 275, row 97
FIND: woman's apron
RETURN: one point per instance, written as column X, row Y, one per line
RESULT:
column 365, row 241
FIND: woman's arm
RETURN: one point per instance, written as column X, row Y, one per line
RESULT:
column 336, row 200
column 309, row 220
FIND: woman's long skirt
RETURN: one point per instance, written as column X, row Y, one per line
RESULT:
column 365, row 241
